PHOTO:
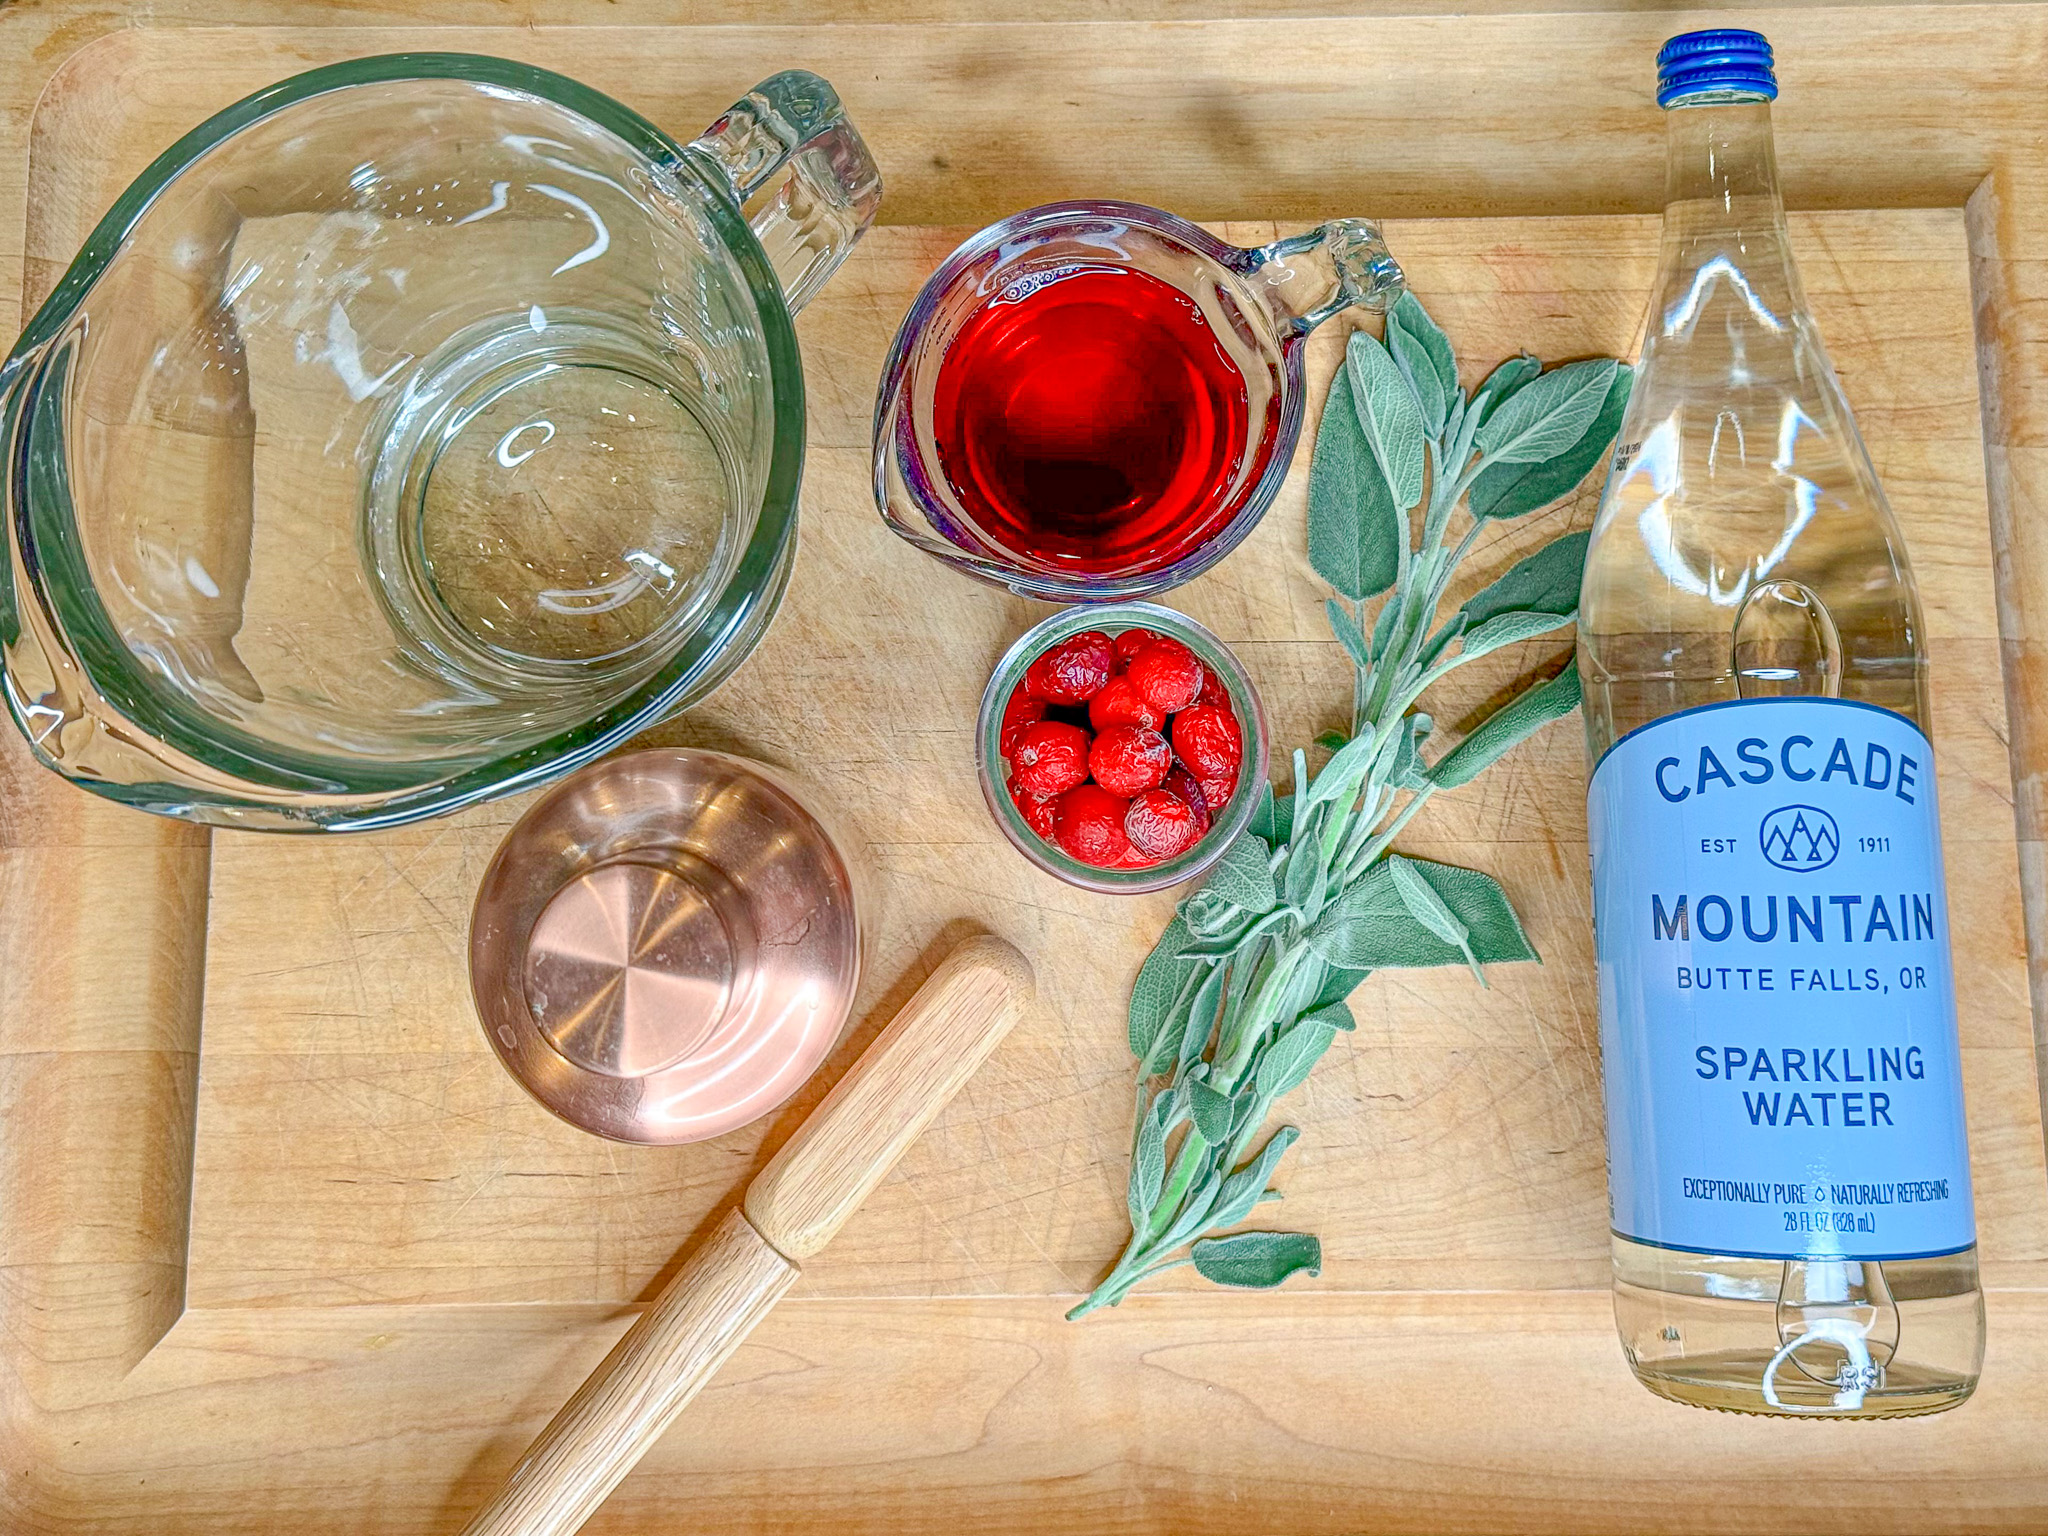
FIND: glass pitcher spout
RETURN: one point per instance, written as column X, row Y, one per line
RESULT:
column 1308, row 278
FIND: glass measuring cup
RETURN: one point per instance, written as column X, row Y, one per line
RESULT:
column 1143, row 432
column 412, row 431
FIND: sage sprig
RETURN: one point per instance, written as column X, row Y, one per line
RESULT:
column 1246, row 989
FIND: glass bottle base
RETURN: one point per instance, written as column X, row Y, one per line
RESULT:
column 1801, row 1340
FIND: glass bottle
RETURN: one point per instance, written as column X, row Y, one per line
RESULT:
column 1793, row 1226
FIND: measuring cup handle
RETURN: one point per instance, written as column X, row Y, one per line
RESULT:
column 794, row 122
column 1310, row 277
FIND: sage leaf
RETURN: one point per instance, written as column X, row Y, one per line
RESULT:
column 1408, row 770
column 1337, row 984
column 1507, row 628
column 1332, row 741
column 1348, row 634
column 1391, row 416
column 1201, row 1019
column 1545, row 582
column 1509, row 490
column 1148, row 1172
column 1428, row 909
column 1257, row 1261
column 1158, row 991
column 1211, row 1112
column 1273, row 819
column 1493, row 933
column 1515, row 721
column 1242, row 1189
column 1548, row 414
column 1504, row 381
column 1287, row 1062
column 1423, row 353
column 1370, row 925
column 1335, row 1016
column 1243, row 876
column 1304, row 872
column 1354, row 532
column 1212, row 949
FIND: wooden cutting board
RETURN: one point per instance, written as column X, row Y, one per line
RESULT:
column 284, row 1249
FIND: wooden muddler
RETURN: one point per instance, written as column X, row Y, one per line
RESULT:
column 793, row 1209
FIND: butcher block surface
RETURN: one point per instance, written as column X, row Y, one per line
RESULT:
column 283, row 1248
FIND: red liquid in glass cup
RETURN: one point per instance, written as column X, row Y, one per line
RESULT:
column 1096, row 421
column 1092, row 401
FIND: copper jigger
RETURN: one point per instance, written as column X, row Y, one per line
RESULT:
column 666, row 945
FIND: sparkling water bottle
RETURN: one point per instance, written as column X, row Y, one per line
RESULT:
column 1790, row 1184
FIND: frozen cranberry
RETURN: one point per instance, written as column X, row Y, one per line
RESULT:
column 1073, row 671
column 1161, row 824
column 1179, row 781
column 1037, row 810
column 1120, row 703
column 1090, row 825
column 1130, row 642
column 1133, row 859
column 1167, row 673
column 1022, row 710
column 1051, row 757
column 1218, row 793
column 1209, row 740
column 1128, row 758
column 1213, row 691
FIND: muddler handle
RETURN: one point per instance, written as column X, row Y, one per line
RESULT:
column 793, row 1208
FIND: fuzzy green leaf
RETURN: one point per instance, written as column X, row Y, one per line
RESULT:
column 1286, row 1063
column 1242, row 1189
column 1429, row 909
column 1548, row 415
column 1424, row 356
column 1390, row 414
column 1521, row 717
column 1257, row 1261
column 1545, row 582
column 1148, row 1171
column 1423, row 903
column 1507, row 628
column 1409, row 770
column 1509, row 490
column 1333, row 1016
column 1354, row 529
column 1345, row 628
column 1274, row 818
column 1211, row 1112
column 1242, row 876
column 1370, row 925
column 1158, row 988
column 1338, row 983
column 1307, row 879
column 1504, row 381
column 1201, row 1018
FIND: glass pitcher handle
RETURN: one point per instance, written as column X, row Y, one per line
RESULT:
column 794, row 121
column 1308, row 278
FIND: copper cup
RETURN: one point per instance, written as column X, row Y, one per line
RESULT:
column 667, row 945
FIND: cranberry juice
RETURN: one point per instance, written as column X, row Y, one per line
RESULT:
column 1095, row 421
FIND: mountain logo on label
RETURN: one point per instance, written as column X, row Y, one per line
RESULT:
column 1801, row 838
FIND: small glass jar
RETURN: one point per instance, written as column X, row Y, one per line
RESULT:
column 1225, row 822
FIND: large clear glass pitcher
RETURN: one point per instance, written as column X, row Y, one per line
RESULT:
column 411, row 432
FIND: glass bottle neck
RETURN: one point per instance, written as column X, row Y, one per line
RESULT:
column 1723, row 216
column 1720, row 155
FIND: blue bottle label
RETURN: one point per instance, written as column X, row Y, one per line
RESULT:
column 1777, row 1011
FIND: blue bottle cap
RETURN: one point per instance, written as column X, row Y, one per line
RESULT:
column 1725, row 63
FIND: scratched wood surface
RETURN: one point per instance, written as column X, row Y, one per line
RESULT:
column 263, row 1284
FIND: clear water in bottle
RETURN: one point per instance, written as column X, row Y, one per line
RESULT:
column 1793, row 1226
